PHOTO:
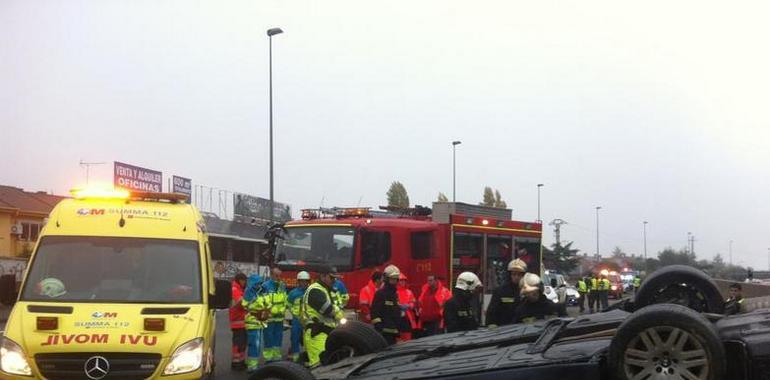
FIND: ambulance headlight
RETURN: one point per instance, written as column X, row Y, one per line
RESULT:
column 187, row 358
column 12, row 360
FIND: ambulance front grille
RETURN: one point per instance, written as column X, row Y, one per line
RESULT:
column 122, row 365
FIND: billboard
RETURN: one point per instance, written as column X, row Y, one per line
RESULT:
column 181, row 185
column 137, row 178
column 254, row 207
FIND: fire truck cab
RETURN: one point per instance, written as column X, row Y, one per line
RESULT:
column 443, row 241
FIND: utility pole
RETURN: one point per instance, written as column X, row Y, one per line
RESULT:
column 88, row 167
column 454, row 169
column 597, row 229
column 539, row 185
column 557, row 223
column 270, row 33
column 645, row 244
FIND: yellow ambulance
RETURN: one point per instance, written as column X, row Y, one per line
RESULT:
column 120, row 286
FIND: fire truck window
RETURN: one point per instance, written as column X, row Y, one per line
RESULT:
column 422, row 245
column 375, row 248
column 467, row 254
column 499, row 250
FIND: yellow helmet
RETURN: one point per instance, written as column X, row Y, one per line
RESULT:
column 517, row 265
column 391, row 271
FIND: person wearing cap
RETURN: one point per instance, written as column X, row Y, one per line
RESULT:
column 320, row 314
column 534, row 305
column 459, row 314
column 256, row 303
column 276, row 289
column 295, row 301
column 366, row 296
column 505, row 298
column 407, row 301
column 387, row 316
column 237, row 323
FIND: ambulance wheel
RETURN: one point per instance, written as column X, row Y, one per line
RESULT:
column 354, row 338
column 283, row 370
column 666, row 341
column 681, row 285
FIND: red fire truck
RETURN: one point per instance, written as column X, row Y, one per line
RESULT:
column 445, row 241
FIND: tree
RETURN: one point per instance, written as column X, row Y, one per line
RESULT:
column 442, row 197
column 561, row 257
column 397, row 195
column 618, row 253
column 489, row 197
column 492, row 198
column 499, row 202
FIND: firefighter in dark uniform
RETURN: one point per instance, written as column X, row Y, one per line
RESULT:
column 505, row 298
column 459, row 314
column 388, row 318
column 534, row 305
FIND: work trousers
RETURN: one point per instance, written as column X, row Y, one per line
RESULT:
column 430, row 327
column 240, row 342
column 296, row 339
column 273, row 341
column 582, row 301
column 254, row 349
column 605, row 299
column 314, row 345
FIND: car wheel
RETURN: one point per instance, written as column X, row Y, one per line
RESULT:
column 282, row 371
column 666, row 341
column 354, row 338
column 681, row 285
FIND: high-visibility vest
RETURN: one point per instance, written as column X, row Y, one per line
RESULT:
column 253, row 307
column 594, row 284
column 637, row 282
column 311, row 315
column 604, row 284
column 278, row 300
column 340, row 294
column 295, row 300
column 582, row 288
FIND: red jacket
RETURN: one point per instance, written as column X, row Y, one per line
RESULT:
column 408, row 303
column 237, row 312
column 365, row 298
column 431, row 302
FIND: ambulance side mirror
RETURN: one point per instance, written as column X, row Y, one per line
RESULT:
column 222, row 295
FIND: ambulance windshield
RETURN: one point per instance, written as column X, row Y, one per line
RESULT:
column 309, row 246
column 112, row 269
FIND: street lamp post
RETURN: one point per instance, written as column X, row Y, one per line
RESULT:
column 539, row 185
column 454, row 169
column 597, row 229
column 645, row 244
column 270, row 33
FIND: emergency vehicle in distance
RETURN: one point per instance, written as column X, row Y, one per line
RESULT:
column 444, row 241
column 119, row 285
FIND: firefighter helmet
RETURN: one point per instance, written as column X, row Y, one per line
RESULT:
column 517, row 265
column 468, row 281
column 303, row 276
column 530, row 283
column 392, row 271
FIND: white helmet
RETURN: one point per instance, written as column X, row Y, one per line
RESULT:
column 530, row 283
column 391, row 271
column 517, row 265
column 303, row 276
column 468, row 281
column 51, row 287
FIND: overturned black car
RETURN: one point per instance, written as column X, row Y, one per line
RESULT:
column 672, row 329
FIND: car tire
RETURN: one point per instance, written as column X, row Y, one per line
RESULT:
column 668, row 340
column 354, row 338
column 283, row 370
column 682, row 285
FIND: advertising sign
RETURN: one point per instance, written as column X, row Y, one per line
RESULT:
column 255, row 207
column 181, row 185
column 136, row 178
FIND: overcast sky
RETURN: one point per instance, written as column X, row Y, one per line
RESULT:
column 655, row 111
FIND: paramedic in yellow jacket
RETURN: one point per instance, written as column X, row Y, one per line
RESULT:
column 257, row 312
column 295, row 305
column 320, row 313
column 276, row 293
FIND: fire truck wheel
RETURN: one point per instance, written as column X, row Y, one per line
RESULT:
column 354, row 338
column 666, row 341
column 681, row 285
column 282, row 371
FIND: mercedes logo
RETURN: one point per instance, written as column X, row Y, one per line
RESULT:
column 96, row 367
